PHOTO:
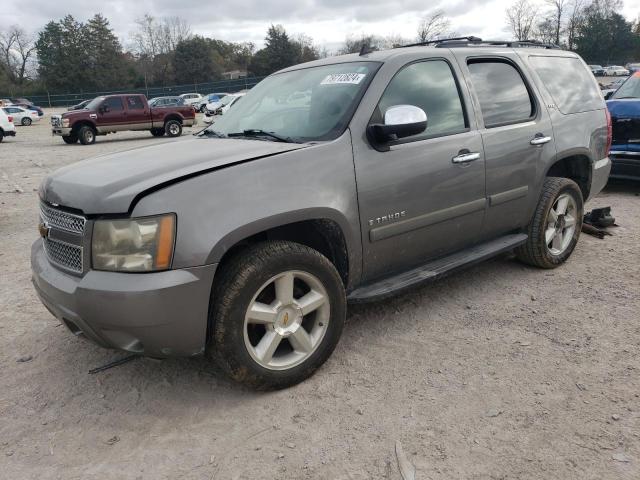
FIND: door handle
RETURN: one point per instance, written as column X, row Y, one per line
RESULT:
column 465, row 157
column 540, row 140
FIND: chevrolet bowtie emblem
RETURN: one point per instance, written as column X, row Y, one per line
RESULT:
column 43, row 228
column 285, row 320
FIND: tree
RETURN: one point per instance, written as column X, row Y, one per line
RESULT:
column 521, row 17
column 545, row 31
column 18, row 50
column 306, row 50
column 559, row 7
column 605, row 36
column 353, row 44
column 574, row 22
column 279, row 52
column 433, row 27
column 196, row 61
column 104, row 54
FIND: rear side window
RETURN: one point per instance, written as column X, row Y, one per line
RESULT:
column 431, row 86
column 503, row 95
column 569, row 83
column 135, row 103
column 114, row 104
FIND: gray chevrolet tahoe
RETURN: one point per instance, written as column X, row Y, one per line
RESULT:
column 349, row 178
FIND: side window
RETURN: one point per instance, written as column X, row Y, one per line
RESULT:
column 135, row 103
column 114, row 104
column 503, row 95
column 431, row 86
column 557, row 73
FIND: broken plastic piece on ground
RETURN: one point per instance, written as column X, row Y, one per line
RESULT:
column 600, row 217
column 115, row 363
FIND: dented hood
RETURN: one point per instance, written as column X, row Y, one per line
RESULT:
column 111, row 183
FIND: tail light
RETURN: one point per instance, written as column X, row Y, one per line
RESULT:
column 609, row 132
column 10, row 118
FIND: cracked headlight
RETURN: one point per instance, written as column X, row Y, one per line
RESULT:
column 134, row 245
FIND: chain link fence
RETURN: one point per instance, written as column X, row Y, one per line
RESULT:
column 67, row 99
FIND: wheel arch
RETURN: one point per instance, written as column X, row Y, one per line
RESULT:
column 81, row 123
column 173, row 116
column 321, row 229
column 576, row 166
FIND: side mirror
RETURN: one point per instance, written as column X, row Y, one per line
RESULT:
column 400, row 121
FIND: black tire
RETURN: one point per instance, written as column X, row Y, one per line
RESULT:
column 173, row 128
column 87, row 135
column 26, row 121
column 157, row 132
column 240, row 280
column 536, row 251
column 203, row 108
column 1, row 136
column 70, row 139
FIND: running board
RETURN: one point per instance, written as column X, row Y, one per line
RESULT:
column 436, row 268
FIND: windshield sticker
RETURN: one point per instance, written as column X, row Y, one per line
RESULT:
column 343, row 78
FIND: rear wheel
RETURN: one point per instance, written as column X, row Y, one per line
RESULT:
column 70, row 139
column 173, row 128
column 26, row 121
column 86, row 135
column 278, row 313
column 555, row 228
column 1, row 136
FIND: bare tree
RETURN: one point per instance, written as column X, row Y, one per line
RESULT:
column 576, row 17
column 159, row 36
column 559, row 7
column 433, row 26
column 18, row 52
column 521, row 17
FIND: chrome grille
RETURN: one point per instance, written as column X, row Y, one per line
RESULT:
column 62, row 220
column 63, row 254
column 56, row 120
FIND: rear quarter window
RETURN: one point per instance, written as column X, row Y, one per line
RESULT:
column 569, row 83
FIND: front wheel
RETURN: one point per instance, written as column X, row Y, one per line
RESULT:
column 556, row 224
column 70, row 139
column 157, row 132
column 278, row 313
column 173, row 128
column 86, row 135
column 26, row 121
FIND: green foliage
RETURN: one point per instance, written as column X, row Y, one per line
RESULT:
column 281, row 52
column 605, row 36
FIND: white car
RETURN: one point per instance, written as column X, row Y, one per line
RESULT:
column 616, row 71
column 191, row 98
column 22, row 116
column 7, row 128
column 221, row 107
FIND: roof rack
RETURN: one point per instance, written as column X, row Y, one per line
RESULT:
column 478, row 42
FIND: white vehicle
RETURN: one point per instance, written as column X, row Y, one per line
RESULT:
column 221, row 107
column 616, row 71
column 22, row 116
column 7, row 128
column 191, row 98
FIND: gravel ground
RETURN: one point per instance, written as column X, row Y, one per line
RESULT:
column 501, row 372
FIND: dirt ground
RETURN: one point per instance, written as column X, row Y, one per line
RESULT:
column 500, row 372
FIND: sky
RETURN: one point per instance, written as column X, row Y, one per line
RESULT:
column 328, row 22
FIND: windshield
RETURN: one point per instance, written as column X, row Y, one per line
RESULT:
column 629, row 89
column 95, row 103
column 310, row 104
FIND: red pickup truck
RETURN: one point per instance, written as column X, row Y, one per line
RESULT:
column 117, row 113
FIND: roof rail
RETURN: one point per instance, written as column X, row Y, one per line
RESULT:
column 472, row 41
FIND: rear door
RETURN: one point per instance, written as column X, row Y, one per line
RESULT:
column 517, row 136
column 138, row 117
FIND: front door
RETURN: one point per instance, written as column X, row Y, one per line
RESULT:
column 423, row 196
column 517, row 137
column 110, row 116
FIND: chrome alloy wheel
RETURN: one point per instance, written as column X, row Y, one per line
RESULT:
column 561, row 224
column 174, row 128
column 286, row 320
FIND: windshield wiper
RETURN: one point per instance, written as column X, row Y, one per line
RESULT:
column 256, row 132
column 210, row 133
